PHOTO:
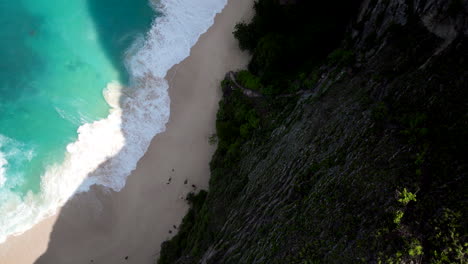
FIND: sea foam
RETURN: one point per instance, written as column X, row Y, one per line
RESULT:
column 107, row 151
column 3, row 164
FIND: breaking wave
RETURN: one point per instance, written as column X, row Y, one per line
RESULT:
column 107, row 150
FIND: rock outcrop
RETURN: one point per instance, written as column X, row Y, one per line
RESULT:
column 368, row 166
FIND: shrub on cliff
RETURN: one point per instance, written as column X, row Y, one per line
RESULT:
column 245, row 35
column 284, row 38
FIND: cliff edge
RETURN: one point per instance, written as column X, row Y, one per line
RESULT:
column 358, row 158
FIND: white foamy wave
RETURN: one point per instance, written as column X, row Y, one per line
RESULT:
column 3, row 164
column 12, row 150
column 107, row 150
column 173, row 35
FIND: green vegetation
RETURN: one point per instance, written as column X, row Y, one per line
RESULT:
column 398, row 215
column 236, row 121
column 173, row 248
column 372, row 171
column 406, row 197
column 287, row 39
column 249, row 81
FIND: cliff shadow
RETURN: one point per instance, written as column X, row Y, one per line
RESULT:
column 91, row 217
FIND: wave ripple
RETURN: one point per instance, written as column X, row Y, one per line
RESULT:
column 107, row 151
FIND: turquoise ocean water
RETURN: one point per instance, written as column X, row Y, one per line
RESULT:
column 56, row 57
column 82, row 93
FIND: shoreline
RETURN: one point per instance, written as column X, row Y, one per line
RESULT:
column 106, row 226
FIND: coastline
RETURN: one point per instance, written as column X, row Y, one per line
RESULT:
column 106, row 226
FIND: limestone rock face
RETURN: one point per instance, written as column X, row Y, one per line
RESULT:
column 325, row 184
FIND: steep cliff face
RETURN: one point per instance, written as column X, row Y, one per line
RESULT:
column 367, row 165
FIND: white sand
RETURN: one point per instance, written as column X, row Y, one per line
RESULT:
column 105, row 227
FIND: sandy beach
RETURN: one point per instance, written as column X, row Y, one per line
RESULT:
column 101, row 226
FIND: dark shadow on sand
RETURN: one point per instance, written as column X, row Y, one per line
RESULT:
column 118, row 24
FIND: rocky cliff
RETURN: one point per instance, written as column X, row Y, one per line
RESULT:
column 365, row 162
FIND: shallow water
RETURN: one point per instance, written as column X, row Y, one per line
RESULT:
column 56, row 57
column 83, row 92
